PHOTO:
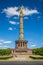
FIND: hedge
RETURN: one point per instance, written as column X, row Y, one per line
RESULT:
column 5, row 57
column 34, row 57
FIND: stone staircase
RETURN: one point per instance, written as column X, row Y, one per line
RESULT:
column 21, row 57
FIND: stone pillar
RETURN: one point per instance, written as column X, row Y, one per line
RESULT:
column 21, row 44
column 21, row 24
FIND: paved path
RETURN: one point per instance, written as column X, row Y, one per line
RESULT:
column 20, row 58
column 21, row 63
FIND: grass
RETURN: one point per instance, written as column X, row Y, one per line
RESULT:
column 5, row 57
column 36, row 57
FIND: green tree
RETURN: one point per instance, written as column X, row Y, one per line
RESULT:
column 5, row 51
column 38, row 51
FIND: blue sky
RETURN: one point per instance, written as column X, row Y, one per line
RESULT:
column 9, row 22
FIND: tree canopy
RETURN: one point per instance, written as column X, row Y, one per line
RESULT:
column 5, row 51
column 38, row 51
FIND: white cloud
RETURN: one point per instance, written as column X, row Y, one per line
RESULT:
column 4, row 47
column 3, row 41
column 10, row 28
column 7, row 42
column 11, row 11
column 0, row 43
column 3, row 44
column 13, row 22
column 1, row 47
column 33, row 45
column 15, row 17
column 25, row 17
column 26, row 11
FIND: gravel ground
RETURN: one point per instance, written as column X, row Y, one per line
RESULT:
column 21, row 63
